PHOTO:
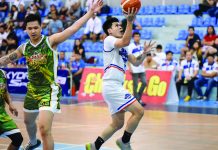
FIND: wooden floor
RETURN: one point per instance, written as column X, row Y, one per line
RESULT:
column 158, row 130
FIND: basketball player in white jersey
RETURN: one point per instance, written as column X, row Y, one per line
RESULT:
column 118, row 99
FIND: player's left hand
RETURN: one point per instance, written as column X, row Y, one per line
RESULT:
column 13, row 110
column 96, row 5
column 149, row 47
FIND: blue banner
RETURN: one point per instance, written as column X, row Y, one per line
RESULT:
column 17, row 79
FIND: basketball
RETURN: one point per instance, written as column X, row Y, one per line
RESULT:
column 126, row 4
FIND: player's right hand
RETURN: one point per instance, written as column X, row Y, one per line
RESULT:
column 131, row 14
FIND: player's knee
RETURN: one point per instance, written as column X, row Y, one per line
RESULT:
column 139, row 112
column 28, row 122
column 17, row 139
column 44, row 130
column 118, row 125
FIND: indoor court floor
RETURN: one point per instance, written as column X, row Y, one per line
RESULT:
column 174, row 127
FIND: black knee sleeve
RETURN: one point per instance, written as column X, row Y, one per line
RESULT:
column 16, row 139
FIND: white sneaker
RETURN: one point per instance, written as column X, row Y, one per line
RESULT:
column 123, row 146
column 204, row 98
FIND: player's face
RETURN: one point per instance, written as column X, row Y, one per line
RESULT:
column 191, row 31
column 210, row 30
column 136, row 38
column 62, row 55
column 169, row 56
column 188, row 55
column 33, row 30
column 116, row 30
column 210, row 60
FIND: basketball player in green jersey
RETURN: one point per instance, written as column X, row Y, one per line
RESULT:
column 43, row 94
column 7, row 126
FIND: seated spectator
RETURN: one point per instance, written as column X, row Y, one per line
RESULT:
column 93, row 29
column 21, row 63
column 209, row 39
column 3, row 48
column 190, row 40
column 3, row 33
column 149, row 63
column 63, row 63
column 14, row 12
column 159, row 55
column 197, row 53
column 78, row 47
column 34, row 9
column 204, row 7
column 21, row 15
column 12, row 38
column 40, row 4
column 209, row 75
column 55, row 25
column 169, row 64
column 189, row 68
column 45, row 30
column 53, row 10
column 63, row 14
column 77, row 67
column 4, row 7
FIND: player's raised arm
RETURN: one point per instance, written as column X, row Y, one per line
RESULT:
column 125, row 40
column 15, row 55
column 136, row 61
column 62, row 36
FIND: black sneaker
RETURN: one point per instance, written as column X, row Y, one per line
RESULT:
column 30, row 147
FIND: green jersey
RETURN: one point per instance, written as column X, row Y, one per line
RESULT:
column 3, row 82
column 41, row 62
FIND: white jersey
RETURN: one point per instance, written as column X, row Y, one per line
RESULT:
column 114, row 60
column 136, row 50
column 159, row 57
column 168, row 65
column 189, row 67
column 210, row 69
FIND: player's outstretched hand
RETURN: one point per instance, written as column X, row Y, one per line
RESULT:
column 96, row 5
column 149, row 47
column 13, row 110
column 131, row 14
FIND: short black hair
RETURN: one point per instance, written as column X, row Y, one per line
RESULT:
column 191, row 27
column 31, row 18
column 210, row 55
column 108, row 24
column 159, row 46
column 136, row 33
column 148, row 54
column 168, row 52
column 77, row 52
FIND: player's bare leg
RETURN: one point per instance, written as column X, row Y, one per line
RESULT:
column 137, row 112
column 31, row 127
column 117, row 123
column 45, row 124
